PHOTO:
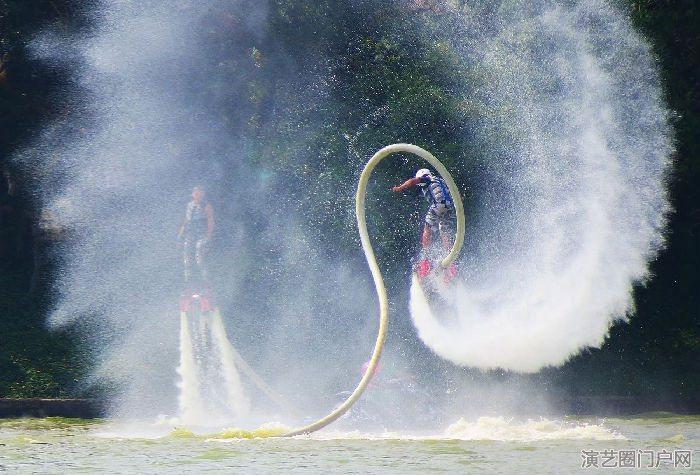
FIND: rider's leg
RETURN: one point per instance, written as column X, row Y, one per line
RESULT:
column 446, row 236
column 199, row 259
column 432, row 226
column 446, row 239
column 427, row 237
column 424, row 265
column 187, row 261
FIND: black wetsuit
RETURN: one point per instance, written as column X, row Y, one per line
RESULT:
column 195, row 241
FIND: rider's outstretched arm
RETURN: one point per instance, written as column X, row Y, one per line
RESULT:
column 410, row 183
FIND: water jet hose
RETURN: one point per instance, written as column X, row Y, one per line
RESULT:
column 376, row 273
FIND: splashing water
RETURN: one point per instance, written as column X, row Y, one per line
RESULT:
column 481, row 429
column 499, row 428
column 235, row 396
column 190, row 401
column 495, row 429
column 571, row 205
column 206, row 360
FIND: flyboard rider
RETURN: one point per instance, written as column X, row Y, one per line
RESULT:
column 195, row 234
column 439, row 219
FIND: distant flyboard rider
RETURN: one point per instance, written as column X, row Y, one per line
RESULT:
column 440, row 217
column 195, row 234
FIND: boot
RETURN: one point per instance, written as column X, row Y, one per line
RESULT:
column 450, row 273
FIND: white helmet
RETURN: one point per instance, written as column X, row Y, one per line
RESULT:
column 422, row 172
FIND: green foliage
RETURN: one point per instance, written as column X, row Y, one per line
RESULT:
column 34, row 383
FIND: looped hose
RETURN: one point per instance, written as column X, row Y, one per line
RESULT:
column 376, row 273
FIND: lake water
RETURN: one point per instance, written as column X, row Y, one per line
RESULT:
column 483, row 445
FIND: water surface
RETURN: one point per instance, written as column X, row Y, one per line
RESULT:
column 485, row 445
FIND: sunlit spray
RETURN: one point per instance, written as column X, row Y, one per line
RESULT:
column 238, row 402
column 191, row 407
column 569, row 205
column 210, row 387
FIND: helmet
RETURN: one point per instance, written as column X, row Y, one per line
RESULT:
column 423, row 172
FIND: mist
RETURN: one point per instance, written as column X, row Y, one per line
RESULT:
column 151, row 119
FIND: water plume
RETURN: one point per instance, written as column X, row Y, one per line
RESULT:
column 210, row 385
column 570, row 205
column 236, row 399
column 190, row 402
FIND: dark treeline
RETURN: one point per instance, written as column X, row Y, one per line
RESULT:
column 657, row 353
column 33, row 361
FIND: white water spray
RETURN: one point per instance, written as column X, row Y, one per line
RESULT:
column 570, row 205
column 190, row 403
column 210, row 386
column 235, row 395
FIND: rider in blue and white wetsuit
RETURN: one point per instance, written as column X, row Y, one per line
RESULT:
column 440, row 216
column 196, row 230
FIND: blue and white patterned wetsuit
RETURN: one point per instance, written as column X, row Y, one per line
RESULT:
column 441, row 213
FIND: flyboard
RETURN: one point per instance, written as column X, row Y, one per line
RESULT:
column 376, row 273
